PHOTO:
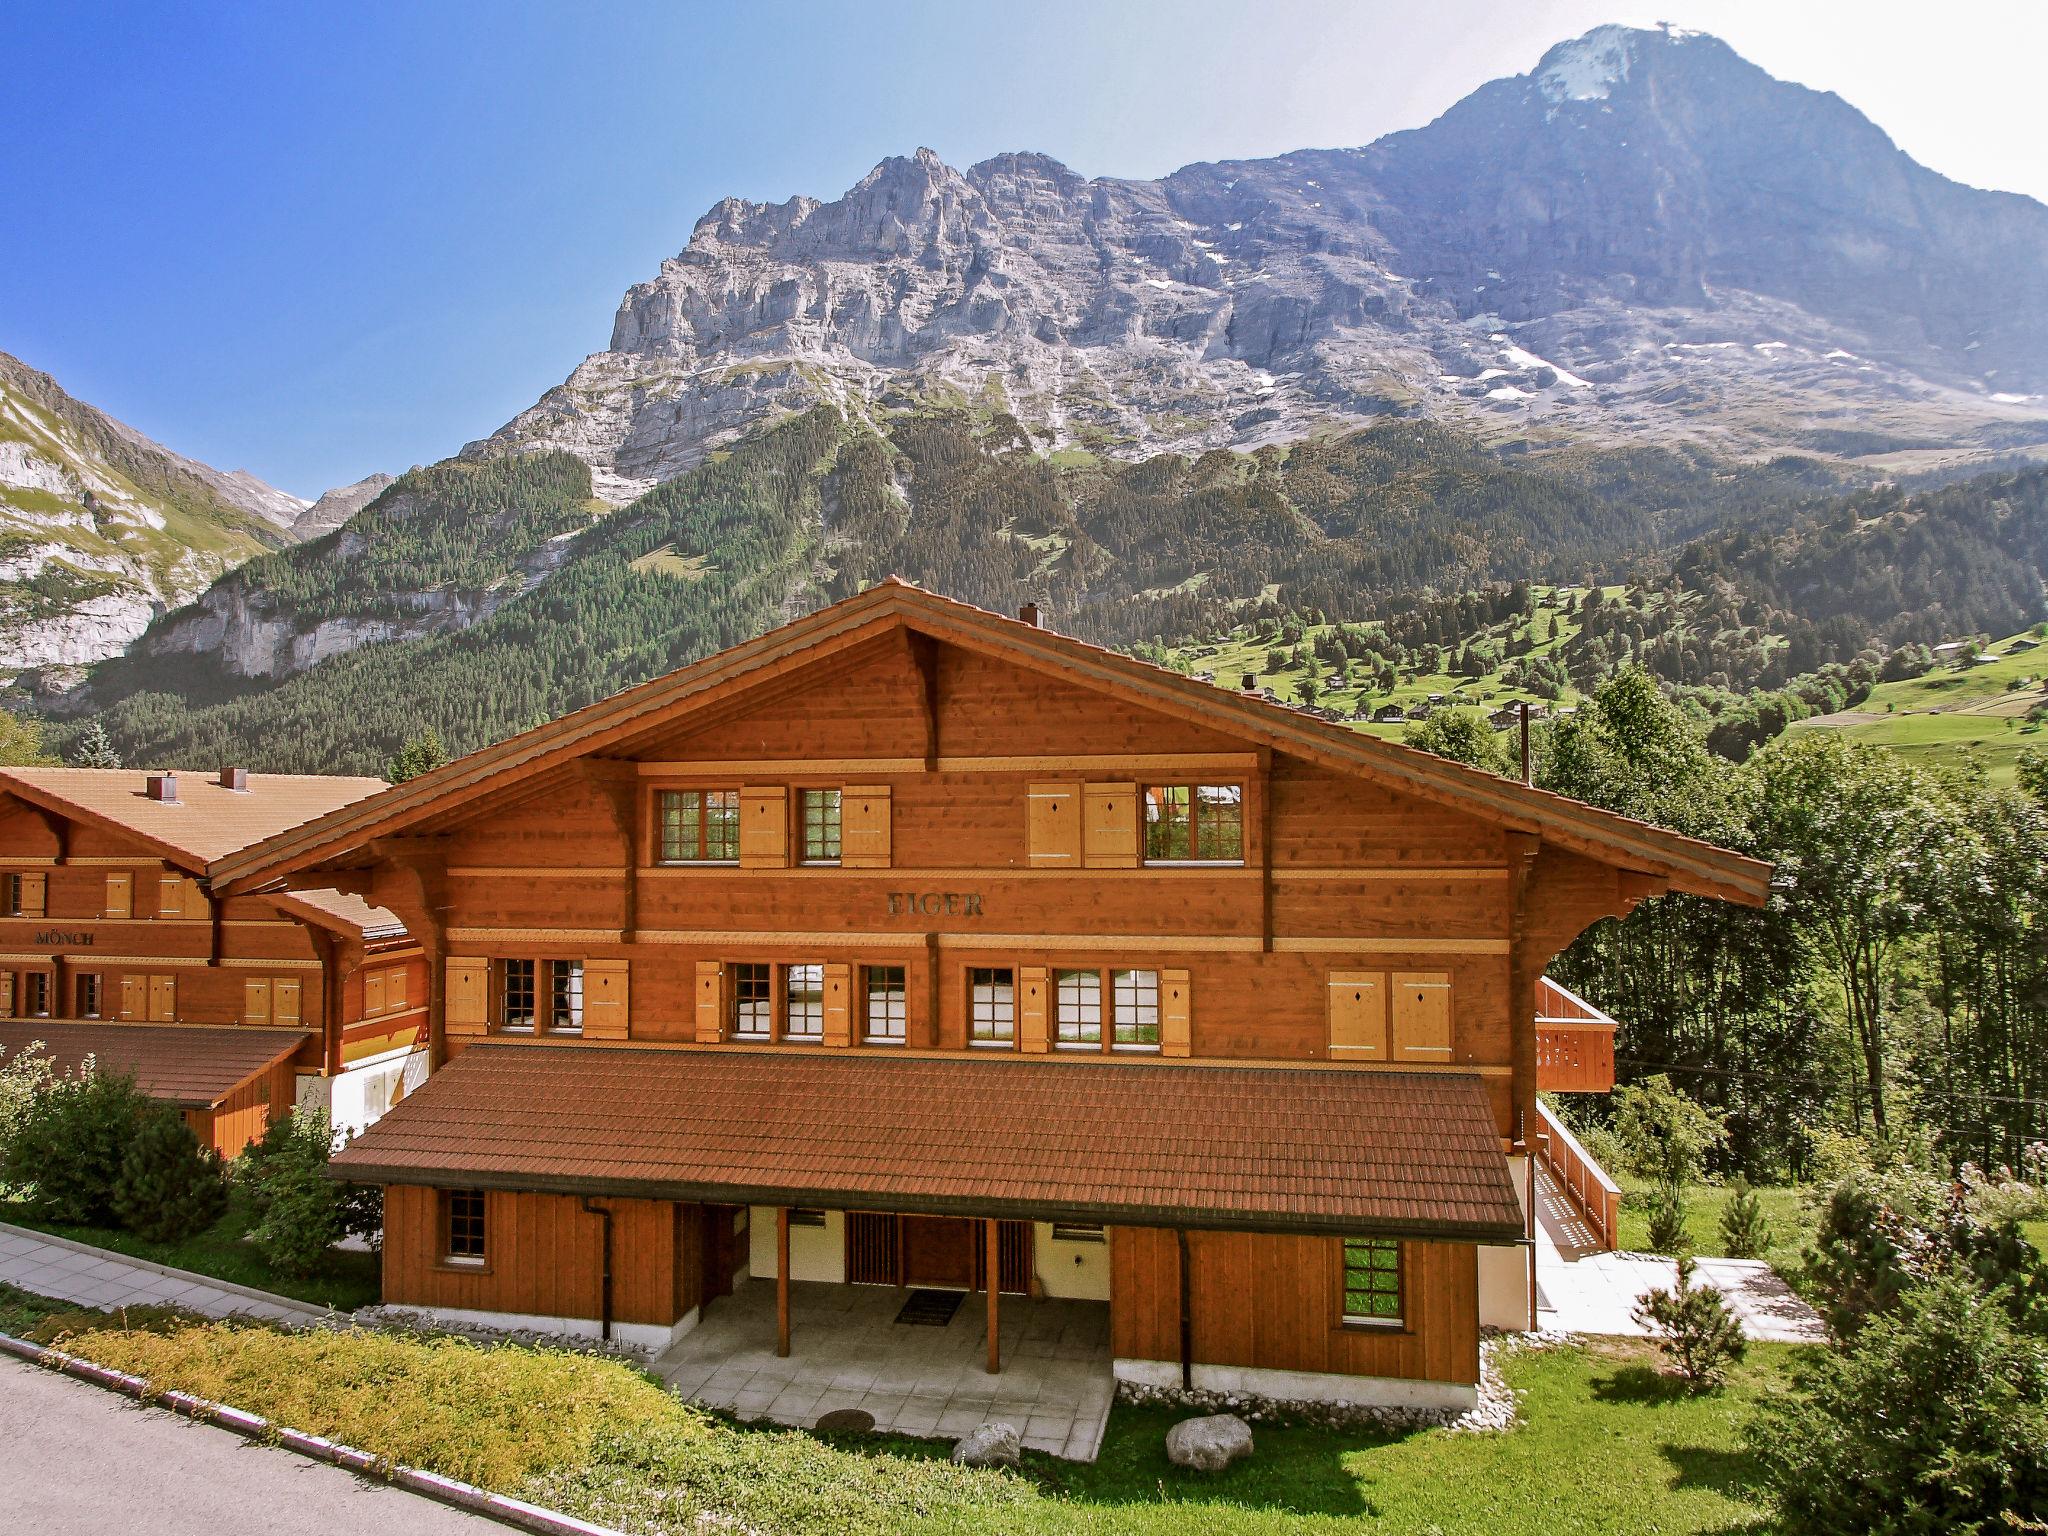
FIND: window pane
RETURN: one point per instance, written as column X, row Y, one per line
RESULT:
column 1219, row 822
column 885, row 1011
column 805, row 1018
column 821, row 825
column 1167, row 822
column 722, row 824
column 752, row 1009
column 1137, row 1007
column 680, row 817
column 566, row 1012
column 1372, row 1280
column 466, row 1224
column 1080, row 1008
column 517, row 995
column 992, row 1004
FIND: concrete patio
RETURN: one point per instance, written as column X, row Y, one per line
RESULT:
column 847, row 1351
column 1581, row 1289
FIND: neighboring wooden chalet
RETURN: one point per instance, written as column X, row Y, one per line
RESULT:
column 912, row 945
column 113, row 945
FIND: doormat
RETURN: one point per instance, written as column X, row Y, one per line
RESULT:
column 930, row 1309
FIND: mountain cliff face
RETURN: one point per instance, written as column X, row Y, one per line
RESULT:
column 101, row 529
column 337, row 506
column 1646, row 237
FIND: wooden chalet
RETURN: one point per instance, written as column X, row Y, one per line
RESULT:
column 113, row 946
column 909, row 945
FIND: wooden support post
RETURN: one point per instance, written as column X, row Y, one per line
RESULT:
column 995, row 1285
column 782, row 1282
column 1187, row 1315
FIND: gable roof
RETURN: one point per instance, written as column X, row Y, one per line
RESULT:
column 1687, row 863
column 207, row 820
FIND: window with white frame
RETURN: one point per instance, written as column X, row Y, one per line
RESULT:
column 992, row 1005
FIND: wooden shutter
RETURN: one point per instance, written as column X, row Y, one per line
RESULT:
column 1109, row 826
column 284, row 1001
column 838, row 1004
column 606, row 999
column 373, row 993
column 170, row 898
column 466, row 1008
column 764, row 826
column 864, row 827
column 1053, row 825
column 1358, row 1015
column 6, row 994
column 1422, row 1016
column 134, row 997
column 35, row 891
column 120, row 894
column 710, row 1002
column 1034, row 988
column 395, row 988
column 1176, row 1011
column 163, row 998
column 256, row 1001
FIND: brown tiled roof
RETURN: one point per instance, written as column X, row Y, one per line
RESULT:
column 206, row 821
column 194, row 1066
column 1263, row 1149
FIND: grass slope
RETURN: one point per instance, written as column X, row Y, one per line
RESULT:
column 1605, row 1446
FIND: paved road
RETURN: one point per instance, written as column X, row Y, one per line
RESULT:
column 82, row 1461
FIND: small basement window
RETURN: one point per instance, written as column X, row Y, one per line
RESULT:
column 462, row 1226
column 1372, row 1282
column 1078, row 1232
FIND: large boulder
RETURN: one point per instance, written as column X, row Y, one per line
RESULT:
column 990, row 1445
column 1208, row 1444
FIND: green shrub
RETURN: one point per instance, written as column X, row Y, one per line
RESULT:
column 301, row 1212
column 1693, row 1326
column 1745, row 1234
column 66, row 1150
column 27, row 1074
column 1666, row 1134
column 1667, row 1219
column 1935, row 1418
column 170, row 1186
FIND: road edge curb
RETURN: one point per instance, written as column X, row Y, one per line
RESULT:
column 432, row 1485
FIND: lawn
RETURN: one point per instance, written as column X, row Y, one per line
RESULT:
column 1603, row 1447
column 1790, row 1223
column 346, row 1281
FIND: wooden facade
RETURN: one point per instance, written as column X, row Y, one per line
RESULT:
column 904, row 826
column 107, row 920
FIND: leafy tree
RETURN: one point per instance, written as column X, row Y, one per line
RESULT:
column 1461, row 735
column 1934, row 1419
column 1694, row 1327
column 21, row 742
column 420, row 754
column 169, row 1186
column 69, row 1144
column 1666, row 1134
column 302, row 1213
column 1855, row 833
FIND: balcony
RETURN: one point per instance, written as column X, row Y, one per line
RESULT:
column 1574, row 1043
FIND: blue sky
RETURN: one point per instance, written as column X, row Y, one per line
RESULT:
column 321, row 240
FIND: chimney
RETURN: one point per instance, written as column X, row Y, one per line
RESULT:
column 164, row 787
column 236, row 779
column 1028, row 614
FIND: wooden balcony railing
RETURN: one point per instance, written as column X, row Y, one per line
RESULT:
column 1574, row 1043
column 1596, row 1195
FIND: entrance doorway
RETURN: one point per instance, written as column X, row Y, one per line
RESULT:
column 940, row 1253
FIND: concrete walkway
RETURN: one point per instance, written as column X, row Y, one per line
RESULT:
column 1582, row 1290
column 93, row 1277
column 847, row 1351
column 82, row 1461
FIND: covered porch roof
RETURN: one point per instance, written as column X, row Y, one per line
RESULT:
column 194, row 1066
column 1253, row 1148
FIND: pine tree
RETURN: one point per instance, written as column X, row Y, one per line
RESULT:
column 169, row 1186
column 95, row 749
column 1667, row 1219
column 1697, row 1332
column 1744, row 1232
